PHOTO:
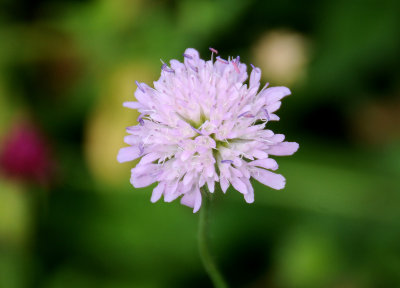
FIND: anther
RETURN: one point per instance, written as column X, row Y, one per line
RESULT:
column 222, row 60
column 227, row 161
column 139, row 86
column 187, row 56
column 252, row 66
column 266, row 114
column 165, row 68
column 195, row 69
column 140, row 120
column 249, row 115
column 213, row 50
column 242, row 114
column 141, row 149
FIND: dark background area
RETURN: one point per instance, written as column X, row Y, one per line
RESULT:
column 68, row 214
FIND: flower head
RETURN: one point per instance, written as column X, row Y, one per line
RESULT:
column 201, row 124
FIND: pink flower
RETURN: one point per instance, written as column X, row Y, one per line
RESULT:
column 25, row 155
column 201, row 124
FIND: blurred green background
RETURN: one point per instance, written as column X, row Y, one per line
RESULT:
column 71, row 217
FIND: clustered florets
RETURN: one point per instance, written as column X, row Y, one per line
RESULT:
column 201, row 124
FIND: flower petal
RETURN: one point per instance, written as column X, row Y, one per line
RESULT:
column 171, row 192
column 265, row 163
column 249, row 196
column 274, row 106
column 157, row 192
column 197, row 201
column 224, row 184
column 133, row 105
column 268, row 178
column 274, row 94
column 148, row 158
column 283, row 149
column 239, row 185
column 255, row 77
column 211, row 184
column 192, row 199
column 142, row 180
column 128, row 154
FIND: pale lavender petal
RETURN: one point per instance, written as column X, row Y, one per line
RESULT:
column 197, row 200
column 157, row 192
column 249, row 196
column 224, row 184
column 142, row 97
column 192, row 199
column 268, row 178
column 211, row 185
column 274, row 117
column 255, row 77
column 188, row 199
column 151, row 157
column 238, row 185
column 132, row 140
column 277, row 138
column 133, row 105
column 128, row 154
column 259, row 154
column 265, row 163
column 274, row 107
column 186, row 155
column 142, row 180
column 274, row 94
column 192, row 53
column 171, row 193
column 283, row 149
column 188, row 178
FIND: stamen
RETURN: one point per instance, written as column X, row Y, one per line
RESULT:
column 266, row 114
column 140, row 120
column 187, row 56
column 237, row 59
column 139, row 86
column 242, row 114
column 252, row 66
column 265, row 87
column 196, row 130
column 222, row 60
column 165, row 68
column 213, row 50
column 236, row 67
column 227, row 161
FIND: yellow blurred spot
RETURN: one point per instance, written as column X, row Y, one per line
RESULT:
column 282, row 56
column 15, row 214
column 106, row 126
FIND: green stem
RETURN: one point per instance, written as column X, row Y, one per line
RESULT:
column 205, row 254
